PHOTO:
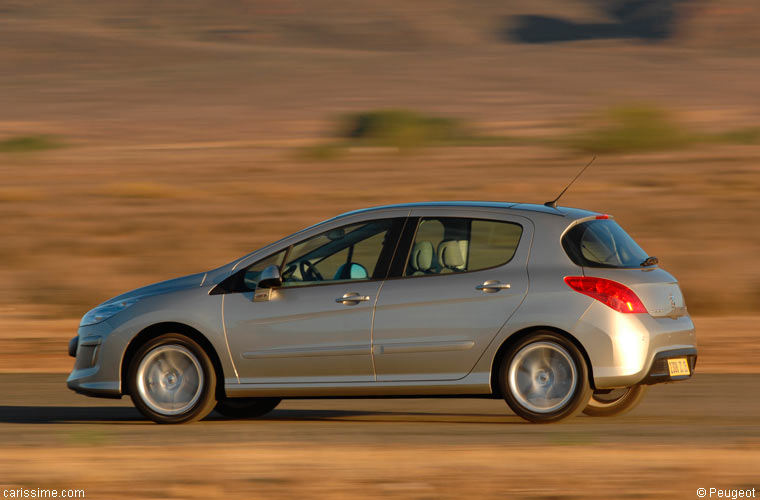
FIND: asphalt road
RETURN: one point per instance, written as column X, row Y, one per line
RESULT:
column 707, row 410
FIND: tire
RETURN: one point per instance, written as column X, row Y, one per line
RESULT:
column 615, row 402
column 554, row 365
column 246, row 407
column 172, row 380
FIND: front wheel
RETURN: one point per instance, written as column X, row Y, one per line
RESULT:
column 246, row 407
column 544, row 378
column 172, row 380
column 608, row 403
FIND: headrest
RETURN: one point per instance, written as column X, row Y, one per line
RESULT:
column 450, row 255
column 422, row 256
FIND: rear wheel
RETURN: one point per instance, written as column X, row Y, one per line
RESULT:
column 172, row 380
column 544, row 378
column 608, row 403
column 246, row 407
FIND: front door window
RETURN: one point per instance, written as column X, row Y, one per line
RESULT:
column 351, row 253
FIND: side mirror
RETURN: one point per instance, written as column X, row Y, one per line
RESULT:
column 270, row 277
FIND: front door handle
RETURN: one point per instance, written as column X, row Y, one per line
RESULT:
column 351, row 299
column 492, row 286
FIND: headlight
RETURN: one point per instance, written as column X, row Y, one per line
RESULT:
column 102, row 313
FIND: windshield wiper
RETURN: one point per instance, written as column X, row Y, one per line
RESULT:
column 651, row 261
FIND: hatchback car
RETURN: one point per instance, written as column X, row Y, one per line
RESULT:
column 555, row 310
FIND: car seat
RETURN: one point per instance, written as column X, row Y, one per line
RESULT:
column 421, row 259
column 450, row 256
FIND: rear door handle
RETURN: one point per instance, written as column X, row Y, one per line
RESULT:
column 351, row 299
column 492, row 286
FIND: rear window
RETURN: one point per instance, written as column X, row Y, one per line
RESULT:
column 602, row 243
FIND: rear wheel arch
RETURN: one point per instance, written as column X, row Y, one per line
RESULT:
column 521, row 334
column 159, row 329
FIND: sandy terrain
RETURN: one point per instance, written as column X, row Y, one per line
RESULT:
column 271, row 470
column 699, row 433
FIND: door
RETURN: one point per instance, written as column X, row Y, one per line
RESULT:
column 316, row 327
column 464, row 276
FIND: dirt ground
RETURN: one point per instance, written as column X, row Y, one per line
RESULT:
column 700, row 433
column 270, row 470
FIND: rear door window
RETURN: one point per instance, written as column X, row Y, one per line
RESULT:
column 445, row 245
column 602, row 243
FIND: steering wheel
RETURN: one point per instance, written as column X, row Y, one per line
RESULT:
column 309, row 272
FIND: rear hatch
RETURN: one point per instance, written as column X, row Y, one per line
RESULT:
column 605, row 250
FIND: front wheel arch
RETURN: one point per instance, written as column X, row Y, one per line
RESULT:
column 159, row 329
column 519, row 335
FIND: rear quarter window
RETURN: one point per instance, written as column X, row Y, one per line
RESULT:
column 492, row 243
column 602, row 243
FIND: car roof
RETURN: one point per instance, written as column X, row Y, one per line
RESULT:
column 568, row 212
column 526, row 209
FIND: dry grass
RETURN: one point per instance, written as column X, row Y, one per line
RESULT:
column 185, row 151
column 74, row 240
column 303, row 470
column 142, row 190
column 20, row 194
column 73, row 236
column 29, row 144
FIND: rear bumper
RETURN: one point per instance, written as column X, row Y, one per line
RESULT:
column 622, row 348
column 659, row 372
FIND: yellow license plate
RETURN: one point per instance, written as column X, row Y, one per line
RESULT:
column 678, row 367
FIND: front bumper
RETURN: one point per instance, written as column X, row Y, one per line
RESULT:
column 73, row 345
column 98, row 360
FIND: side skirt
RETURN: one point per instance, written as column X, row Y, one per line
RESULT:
column 474, row 384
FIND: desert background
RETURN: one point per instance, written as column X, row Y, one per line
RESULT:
column 143, row 140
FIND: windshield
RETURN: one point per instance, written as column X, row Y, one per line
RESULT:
column 602, row 243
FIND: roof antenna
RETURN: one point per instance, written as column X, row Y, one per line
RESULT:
column 553, row 203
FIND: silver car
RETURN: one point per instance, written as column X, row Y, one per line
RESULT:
column 555, row 310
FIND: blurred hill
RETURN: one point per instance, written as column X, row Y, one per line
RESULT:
column 204, row 70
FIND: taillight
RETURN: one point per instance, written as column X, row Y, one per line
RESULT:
column 611, row 293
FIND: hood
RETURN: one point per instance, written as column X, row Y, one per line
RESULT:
column 171, row 285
